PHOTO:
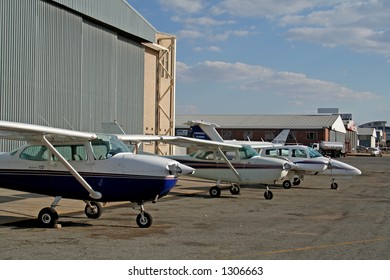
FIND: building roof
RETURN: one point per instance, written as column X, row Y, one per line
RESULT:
column 116, row 13
column 268, row 121
column 367, row 131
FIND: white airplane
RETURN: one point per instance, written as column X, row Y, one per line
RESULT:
column 83, row 166
column 310, row 162
column 224, row 162
column 207, row 131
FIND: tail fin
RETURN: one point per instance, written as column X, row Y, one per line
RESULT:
column 203, row 130
column 281, row 138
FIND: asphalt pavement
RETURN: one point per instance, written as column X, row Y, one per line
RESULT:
column 309, row 222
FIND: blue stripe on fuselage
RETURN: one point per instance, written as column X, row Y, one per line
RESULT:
column 113, row 187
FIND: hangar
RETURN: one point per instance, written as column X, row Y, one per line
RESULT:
column 304, row 129
column 77, row 64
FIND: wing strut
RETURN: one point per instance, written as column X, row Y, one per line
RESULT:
column 229, row 164
column 92, row 193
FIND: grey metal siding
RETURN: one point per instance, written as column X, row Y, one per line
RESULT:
column 59, row 69
column 117, row 13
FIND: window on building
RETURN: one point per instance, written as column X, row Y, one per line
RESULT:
column 311, row 136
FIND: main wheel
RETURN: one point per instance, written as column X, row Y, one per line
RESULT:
column 235, row 189
column 268, row 195
column 296, row 182
column 215, row 191
column 145, row 221
column 95, row 211
column 286, row 184
column 48, row 217
column 334, row 186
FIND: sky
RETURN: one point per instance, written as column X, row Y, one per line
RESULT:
column 278, row 57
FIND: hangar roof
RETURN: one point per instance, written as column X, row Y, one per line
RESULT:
column 367, row 131
column 268, row 121
column 116, row 13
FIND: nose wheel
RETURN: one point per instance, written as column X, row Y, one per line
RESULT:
column 144, row 219
column 334, row 185
column 268, row 195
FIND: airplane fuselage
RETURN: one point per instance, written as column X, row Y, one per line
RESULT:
column 118, row 177
column 251, row 171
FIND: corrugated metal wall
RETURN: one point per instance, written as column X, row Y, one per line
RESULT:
column 60, row 69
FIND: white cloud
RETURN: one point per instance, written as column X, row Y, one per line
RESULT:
column 358, row 26
column 209, row 48
column 180, row 6
column 296, row 87
column 267, row 8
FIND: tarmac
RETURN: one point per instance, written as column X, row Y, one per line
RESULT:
column 308, row 222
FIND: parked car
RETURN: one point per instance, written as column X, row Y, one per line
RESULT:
column 375, row 152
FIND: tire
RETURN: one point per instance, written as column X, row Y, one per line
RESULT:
column 268, row 195
column 334, row 186
column 215, row 191
column 48, row 217
column 145, row 221
column 296, row 181
column 95, row 211
column 235, row 189
column 286, row 184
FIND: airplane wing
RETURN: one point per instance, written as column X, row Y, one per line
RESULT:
column 31, row 132
column 48, row 135
column 181, row 141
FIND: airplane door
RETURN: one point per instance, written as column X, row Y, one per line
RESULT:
column 76, row 155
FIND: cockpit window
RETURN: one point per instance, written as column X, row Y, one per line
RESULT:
column 106, row 146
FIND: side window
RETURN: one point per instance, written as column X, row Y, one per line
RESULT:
column 36, row 153
column 100, row 150
column 72, row 152
column 284, row 152
column 208, row 155
column 271, row 152
column 299, row 153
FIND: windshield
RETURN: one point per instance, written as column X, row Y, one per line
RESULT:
column 105, row 146
column 247, row 152
column 313, row 153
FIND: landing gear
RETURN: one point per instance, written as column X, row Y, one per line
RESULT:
column 296, row 181
column 334, row 185
column 286, row 184
column 235, row 189
column 215, row 191
column 144, row 219
column 48, row 216
column 93, row 209
column 268, row 194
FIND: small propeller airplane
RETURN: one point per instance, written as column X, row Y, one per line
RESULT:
column 307, row 160
column 224, row 162
column 310, row 162
column 83, row 166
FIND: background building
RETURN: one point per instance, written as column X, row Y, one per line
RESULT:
column 78, row 64
column 304, row 129
column 381, row 132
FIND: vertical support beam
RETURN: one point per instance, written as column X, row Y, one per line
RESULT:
column 166, row 87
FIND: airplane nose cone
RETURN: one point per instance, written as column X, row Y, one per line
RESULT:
column 185, row 169
column 357, row 172
column 180, row 169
